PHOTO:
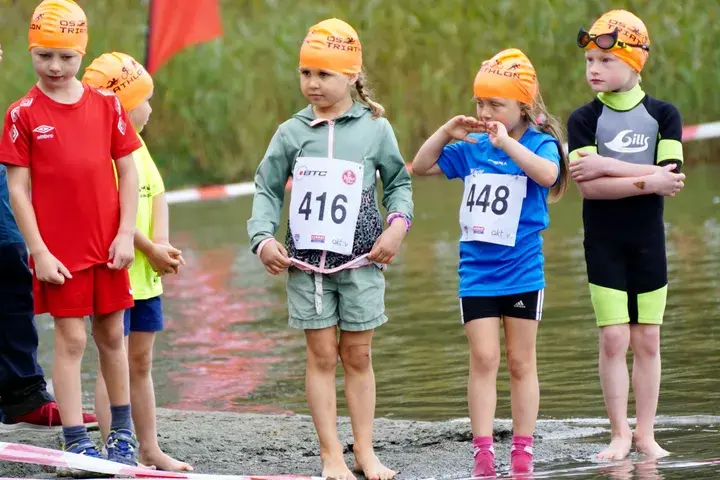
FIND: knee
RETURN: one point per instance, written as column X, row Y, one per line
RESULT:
column 484, row 361
column 140, row 364
column 614, row 340
column 521, row 364
column 324, row 359
column 108, row 334
column 71, row 344
column 356, row 357
column 646, row 341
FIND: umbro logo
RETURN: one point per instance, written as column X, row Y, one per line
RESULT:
column 44, row 131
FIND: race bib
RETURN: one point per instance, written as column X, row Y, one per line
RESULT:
column 490, row 209
column 325, row 203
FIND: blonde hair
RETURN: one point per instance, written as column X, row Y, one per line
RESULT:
column 364, row 93
column 538, row 116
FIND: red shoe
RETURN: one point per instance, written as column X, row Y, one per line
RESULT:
column 44, row 417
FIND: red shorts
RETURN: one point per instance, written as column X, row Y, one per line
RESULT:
column 94, row 291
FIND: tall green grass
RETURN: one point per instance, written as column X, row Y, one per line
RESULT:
column 217, row 105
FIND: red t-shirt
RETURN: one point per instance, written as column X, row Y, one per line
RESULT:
column 69, row 150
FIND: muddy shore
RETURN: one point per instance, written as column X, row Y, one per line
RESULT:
column 231, row 443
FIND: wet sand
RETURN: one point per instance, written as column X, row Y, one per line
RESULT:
column 232, row 443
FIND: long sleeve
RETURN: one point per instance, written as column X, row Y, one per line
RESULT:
column 270, row 179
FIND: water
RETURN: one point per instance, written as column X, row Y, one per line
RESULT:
column 228, row 347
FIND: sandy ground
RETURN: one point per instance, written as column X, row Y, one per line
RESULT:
column 230, row 443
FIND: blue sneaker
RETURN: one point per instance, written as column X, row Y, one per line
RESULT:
column 121, row 447
column 83, row 447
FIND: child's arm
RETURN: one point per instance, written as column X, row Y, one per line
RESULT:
column 662, row 182
column 586, row 166
column 47, row 267
column 271, row 177
column 122, row 250
column 397, row 197
column 458, row 128
column 166, row 257
column 541, row 170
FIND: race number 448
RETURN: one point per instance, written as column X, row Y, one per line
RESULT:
column 499, row 203
column 491, row 206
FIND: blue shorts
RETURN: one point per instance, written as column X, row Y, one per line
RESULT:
column 145, row 316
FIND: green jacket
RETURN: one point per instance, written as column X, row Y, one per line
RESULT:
column 356, row 137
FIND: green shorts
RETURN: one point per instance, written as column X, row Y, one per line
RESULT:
column 352, row 299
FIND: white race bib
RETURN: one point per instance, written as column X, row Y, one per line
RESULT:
column 490, row 209
column 325, row 203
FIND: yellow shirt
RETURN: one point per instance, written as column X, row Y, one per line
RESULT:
column 143, row 279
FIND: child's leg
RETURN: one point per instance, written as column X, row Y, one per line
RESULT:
column 645, row 341
column 142, row 393
column 520, row 336
column 355, row 352
column 361, row 306
column 102, row 405
column 70, row 339
column 483, row 335
column 614, row 379
column 484, row 342
column 108, row 334
column 322, row 355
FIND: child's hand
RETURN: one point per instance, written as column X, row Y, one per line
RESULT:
column 274, row 257
column 49, row 269
column 588, row 167
column 663, row 181
column 122, row 252
column 0, row 53
column 461, row 126
column 498, row 134
column 165, row 259
column 388, row 244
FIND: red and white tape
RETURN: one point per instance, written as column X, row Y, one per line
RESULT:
column 16, row 452
column 692, row 132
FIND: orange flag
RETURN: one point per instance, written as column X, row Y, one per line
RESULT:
column 177, row 24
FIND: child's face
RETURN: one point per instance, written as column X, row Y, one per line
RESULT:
column 501, row 110
column 324, row 88
column 140, row 115
column 607, row 73
column 55, row 66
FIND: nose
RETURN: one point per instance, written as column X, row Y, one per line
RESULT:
column 484, row 113
column 54, row 66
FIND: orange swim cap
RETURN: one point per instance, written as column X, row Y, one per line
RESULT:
column 332, row 45
column 123, row 76
column 59, row 24
column 509, row 74
column 631, row 30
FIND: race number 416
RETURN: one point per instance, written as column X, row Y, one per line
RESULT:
column 338, row 212
column 498, row 204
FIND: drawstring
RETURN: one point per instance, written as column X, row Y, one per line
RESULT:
column 318, row 292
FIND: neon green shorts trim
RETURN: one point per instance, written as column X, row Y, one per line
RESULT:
column 352, row 299
column 612, row 307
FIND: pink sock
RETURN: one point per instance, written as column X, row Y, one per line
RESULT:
column 521, row 454
column 484, row 457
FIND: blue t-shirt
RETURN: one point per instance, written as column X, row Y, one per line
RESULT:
column 9, row 232
column 488, row 269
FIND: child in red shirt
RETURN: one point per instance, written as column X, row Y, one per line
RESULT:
column 57, row 144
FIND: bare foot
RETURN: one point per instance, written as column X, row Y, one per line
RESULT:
column 618, row 449
column 334, row 467
column 648, row 446
column 369, row 465
column 162, row 461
